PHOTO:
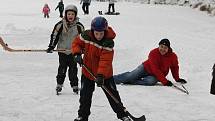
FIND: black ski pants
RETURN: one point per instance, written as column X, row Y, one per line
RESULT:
column 87, row 88
column 66, row 61
column 61, row 13
column 85, row 8
column 111, row 6
column 46, row 15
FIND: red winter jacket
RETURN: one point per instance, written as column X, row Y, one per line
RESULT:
column 46, row 9
column 98, row 55
column 158, row 65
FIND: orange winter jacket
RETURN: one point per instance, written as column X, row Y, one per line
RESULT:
column 97, row 55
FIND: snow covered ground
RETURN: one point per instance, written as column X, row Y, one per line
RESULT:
column 27, row 80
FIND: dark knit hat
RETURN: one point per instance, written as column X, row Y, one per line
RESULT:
column 165, row 42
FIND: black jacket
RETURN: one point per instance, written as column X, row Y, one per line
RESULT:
column 60, row 6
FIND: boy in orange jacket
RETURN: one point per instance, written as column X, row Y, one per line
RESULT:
column 96, row 45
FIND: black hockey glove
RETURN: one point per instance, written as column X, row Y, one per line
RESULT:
column 182, row 81
column 78, row 59
column 99, row 80
column 50, row 49
column 169, row 83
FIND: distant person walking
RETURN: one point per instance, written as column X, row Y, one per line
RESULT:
column 60, row 6
column 85, row 6
column 46, row 10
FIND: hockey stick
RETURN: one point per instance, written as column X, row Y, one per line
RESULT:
column 35, row 50
column 5, row 47
column 142, row 118
column 184, row 90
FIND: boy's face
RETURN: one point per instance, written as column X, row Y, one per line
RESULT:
column 163, row 49
column 70, row 16
column 99, row 35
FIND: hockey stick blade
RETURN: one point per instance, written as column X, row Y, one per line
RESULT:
column 4, row 45
column 184, row 90
column 142, row 118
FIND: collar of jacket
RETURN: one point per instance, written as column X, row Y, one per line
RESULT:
column 67, row 25
column 89, row 38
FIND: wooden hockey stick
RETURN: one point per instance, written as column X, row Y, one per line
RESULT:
column 7, row 48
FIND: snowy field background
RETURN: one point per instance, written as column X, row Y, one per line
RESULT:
column 27, row 80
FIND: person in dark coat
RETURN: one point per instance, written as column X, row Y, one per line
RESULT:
column 60, row 6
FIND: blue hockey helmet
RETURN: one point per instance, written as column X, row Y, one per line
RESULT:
column 99, row 24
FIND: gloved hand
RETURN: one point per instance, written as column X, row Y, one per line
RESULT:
column 169, row 83
column 182, row 81
column 99, row 80
column 78, row 59
column 50, row 49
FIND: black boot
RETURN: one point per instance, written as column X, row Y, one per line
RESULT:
column 59, row 88
column 81, row 119
column 100, row 12
column 75, row 89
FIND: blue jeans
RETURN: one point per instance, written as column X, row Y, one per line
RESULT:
column 136, row 77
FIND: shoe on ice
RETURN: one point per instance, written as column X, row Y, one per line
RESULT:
column 81, row 119
column 125, row 118
column 75, row 89
column 59, row 87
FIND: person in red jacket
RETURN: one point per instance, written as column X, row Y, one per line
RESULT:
column 46, row 10
column 96, row 45
column 154, row 69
